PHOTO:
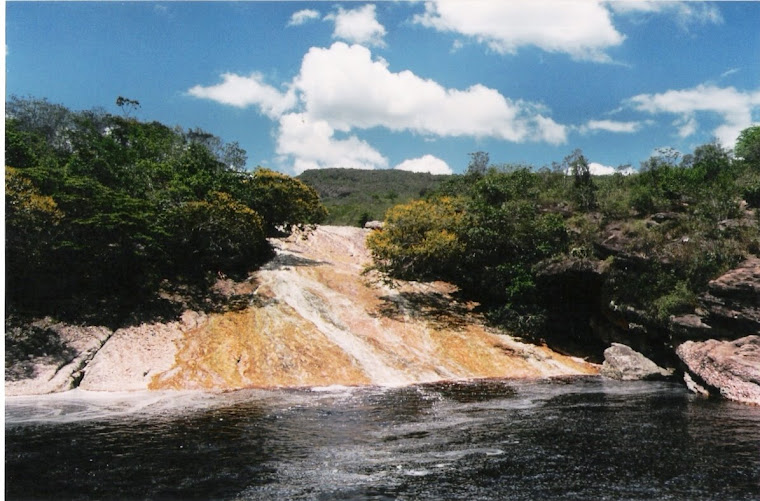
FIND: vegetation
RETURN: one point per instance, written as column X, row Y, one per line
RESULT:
column 662, row 233
column 102, row 210
column 353, row 197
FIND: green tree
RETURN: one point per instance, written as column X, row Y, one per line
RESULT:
column 748, row 145
column 220, row 234
column 31, row 227
column 421, row 239
column 479, row 162
column 584, row 189
column 282, row 201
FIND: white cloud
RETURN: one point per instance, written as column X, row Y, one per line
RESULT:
column 734, row 107
column 241, row 91
column 685, row 14
column 729, row 72
column 582, row 29
column 342, row 89
column 358, row 26
column 303, row 16
column 611, row 126
column 426, row 163
column 687, row 125
column 312, row 145
column 344, row 86
column 598, row 169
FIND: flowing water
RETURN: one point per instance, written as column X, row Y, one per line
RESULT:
column 570, row 438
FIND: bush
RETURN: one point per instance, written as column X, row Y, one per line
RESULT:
column 218, row 235
column 421, row 239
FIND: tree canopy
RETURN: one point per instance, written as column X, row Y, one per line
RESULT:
column 100, row 209
column 682, row 221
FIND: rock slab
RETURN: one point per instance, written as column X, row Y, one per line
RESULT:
column 626, row 364
column 730, row 368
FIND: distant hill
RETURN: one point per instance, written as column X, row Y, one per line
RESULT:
column 352, row 195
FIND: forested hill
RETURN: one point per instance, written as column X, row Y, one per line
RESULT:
column 353, row 196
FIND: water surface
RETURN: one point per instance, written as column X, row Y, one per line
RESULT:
column 581, row 438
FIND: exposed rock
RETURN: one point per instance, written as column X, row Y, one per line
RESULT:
column 625, row 364
column 312, row 317
column 730, row 368
column 374, row 225
column 56, row 367
column 133, row 355
column 729, row 309
column 693, row 386
column 733, row 300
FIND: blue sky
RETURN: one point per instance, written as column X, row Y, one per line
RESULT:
column 413, row 85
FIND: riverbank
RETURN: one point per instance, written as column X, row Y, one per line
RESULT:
column 310, row 317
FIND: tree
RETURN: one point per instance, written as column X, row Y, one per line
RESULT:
column 31, row 222
column 215, row 235
column 421, row 239
column 583, row 185
column 281, row 200
column 128, row 106
column 479, row 162
column 748, row 145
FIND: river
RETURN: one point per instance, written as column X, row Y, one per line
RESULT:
column 569, row 438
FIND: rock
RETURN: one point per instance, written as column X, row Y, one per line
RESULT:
column 733, row 300
column 625, row 364
column 730, row 368
column 133, row 355
column 59, row 366
column 693, row 386
column 373, row 225
column 728, row 310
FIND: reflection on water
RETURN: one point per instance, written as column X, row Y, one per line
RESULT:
column 584, row 438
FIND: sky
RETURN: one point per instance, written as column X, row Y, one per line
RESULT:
column 406, row 85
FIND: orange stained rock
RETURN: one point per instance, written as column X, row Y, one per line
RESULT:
column 324, row 323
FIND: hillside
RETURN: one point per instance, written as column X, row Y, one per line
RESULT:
column 352, row 194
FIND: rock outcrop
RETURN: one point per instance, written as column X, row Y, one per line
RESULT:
column 729, row 309
column 625, row 364
column 310, row 317
column 54, row 356
column 728, row 368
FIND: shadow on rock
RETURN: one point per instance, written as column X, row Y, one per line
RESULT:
column 25, row 343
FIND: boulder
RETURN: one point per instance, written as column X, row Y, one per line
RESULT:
column 728, row 368
column 625, row 364
column 374, row 225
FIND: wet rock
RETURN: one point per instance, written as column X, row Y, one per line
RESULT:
column 623, row 363
column 728, row 368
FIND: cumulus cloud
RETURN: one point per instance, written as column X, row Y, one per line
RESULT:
column 312, row 145
column 426, row 163
column 358, row 26
column 345, row 86
column 611, row 126
column 242, row 91
column 584, row 30
column 303, row 17
column 342, row 89
column 734, row 107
